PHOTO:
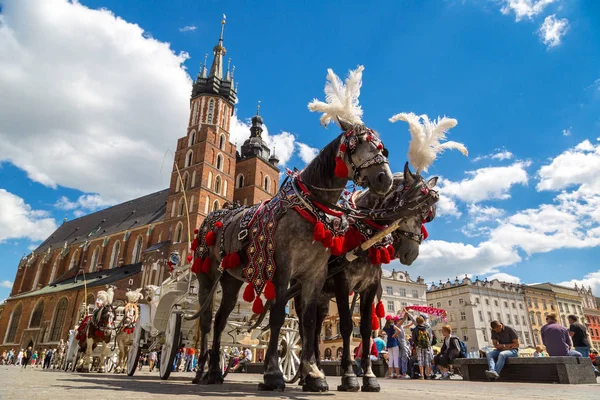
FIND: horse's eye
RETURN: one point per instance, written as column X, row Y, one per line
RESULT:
column 385, row 152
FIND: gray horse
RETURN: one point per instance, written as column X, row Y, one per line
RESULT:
column 297, row 256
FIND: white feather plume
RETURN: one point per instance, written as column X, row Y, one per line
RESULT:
column 341, row 100
column 426, row 137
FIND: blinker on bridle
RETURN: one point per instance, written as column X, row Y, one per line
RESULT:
column 348, row 145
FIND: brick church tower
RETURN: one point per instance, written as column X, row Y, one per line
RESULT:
column 256, row 174
column 205, row 157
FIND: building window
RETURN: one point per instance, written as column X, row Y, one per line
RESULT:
column 476, row 300
column 178, row 233
column 36, row 316
column 489, row 313
column 463, row 316
column 523, row 320
column 535, row 303
column 211, row 111
column 506, row 304
column 94, row 262
column 415, row 294
column 74, row 260
column 539, row 318
column 513, row 305
column 544, row 304
column 552, row 305
column 222, row 142
column 431, row 305
column 496, row 303
column 498, row 317
column 137, row 250
column 192, row 138
column 487, row 302
column 567, row 307
column 218, row 184
column 579, row 308
column 439, row 304
column 186, row 180
column 481, row 316
column 390, row 306
column 560, row 307
column 181, row 207
column 520, row 306
column 527, row 337
column 220, row 162
column 449, row 302
column 464, row 334
column 173, row 208
column 461, row 301
column 529, row 303
column 59, row 320
column 516, row 319
column 192, row 201
column 402, row 292
column 114, row 257
column 216, row 205
column 485, row 336
column 508, row 321
column 15, row 318
column 389, row 290
column 239, row 182
column 267, row 184
column 206, row 205
column 224, row 188
column 189, row 157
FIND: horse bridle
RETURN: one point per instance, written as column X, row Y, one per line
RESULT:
column 350, row 142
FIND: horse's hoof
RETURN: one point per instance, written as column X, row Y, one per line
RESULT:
column 213, row 377
column 370, row 384
column 315, row 385
column 349, row 384
column 272, row 383
column 200, row 377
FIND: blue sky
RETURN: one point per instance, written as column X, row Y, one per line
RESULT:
column 96, row 92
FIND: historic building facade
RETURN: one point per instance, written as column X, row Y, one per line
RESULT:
column 127, row 245
column 472, row 304
column 540, row 302
column 591, row 312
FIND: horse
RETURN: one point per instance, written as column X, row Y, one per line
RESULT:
column 124, row 337
column 296, row 255
column 363, row 275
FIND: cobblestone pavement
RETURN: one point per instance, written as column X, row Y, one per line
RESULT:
column 16, row 383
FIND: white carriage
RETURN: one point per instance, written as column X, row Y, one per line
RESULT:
column 161, row 324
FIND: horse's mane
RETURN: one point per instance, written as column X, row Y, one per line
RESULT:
column 319, row 172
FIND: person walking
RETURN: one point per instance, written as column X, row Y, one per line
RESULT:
column 20, row 358
column 404, row 347
column 27, row 357
column 392, row 348
column 422, row 340
column 556, row 338
column 48, row 359
column 506, row 342
column 152, row 360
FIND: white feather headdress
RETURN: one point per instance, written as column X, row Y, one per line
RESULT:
column 341, row 100
column 426, row 137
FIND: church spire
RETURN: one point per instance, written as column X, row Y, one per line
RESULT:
column 219, row 51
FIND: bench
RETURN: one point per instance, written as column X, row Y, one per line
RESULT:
column 566, row 370
column 330, row 368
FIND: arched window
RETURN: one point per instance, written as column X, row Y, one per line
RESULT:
column 94, row 262
column 15, row 318
column 192, row 203
column 137, row 250
column 36, row 316
column 114, row 257
column 222, row 142
column 178, row 233
column 267, row 184
column 218, row 184
column 224, row 188
column 189, row 157
column 206, row 205
column 181, row 207
column 211, row 111
column 192, row 138
column 193, row 178
column 240, row 181
column 216, row 205
column 173, row 207
column 59, row 320
column 186, row 180
column 74, row 260
column 54, row 269
column 220, row 162
column 209, row 179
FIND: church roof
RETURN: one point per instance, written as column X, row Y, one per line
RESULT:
column 125, row 216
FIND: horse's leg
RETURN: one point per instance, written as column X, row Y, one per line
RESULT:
column 342, row 290
column 89, row 356
column 314, row 379
column 206, row 282
column 103, row 354
column 370, row 383
column 231, row 287
column 298, row 306
column 322, row 310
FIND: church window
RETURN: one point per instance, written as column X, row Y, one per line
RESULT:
column 181, row 207
column 191, row 203
column 178, row 233
column 220, row 162
column 59, row 320
column 216, row 205
column 189, row 157
column 38, row 272
column 193, row 179
column 209, row 179
column 36, row 316
column 211, row 111
column 240, row 181
column 224, row 188
column 267, row 184
column 15, row 318
column 114, row 257
column 74, row 260
column 173, row 208
column 94, row 262
column 137, row 250
column 222, row 142
column 218, row 184
column 195, row 113
column 54, row 269
column 186, row 180
column 206, row 205
column 192, row 138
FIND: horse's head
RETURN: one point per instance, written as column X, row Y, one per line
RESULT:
column 365, row 158
column 130, row 314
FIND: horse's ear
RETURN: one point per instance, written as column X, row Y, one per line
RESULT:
column 408, row 176
column 432, row 182
column 346, row 126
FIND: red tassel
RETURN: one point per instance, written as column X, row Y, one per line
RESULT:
column 343, row 147
column 196, row 231
column 391, row 252
column 225, row 261
column 170, row 264
column 269, row 291
column 424, row 232
column 380, row 310
column 352, row 239
column 248, row 295
column 385, row 256
column 234, row 259
column 351, row 294
column 319, row 232
column 374, row 322
column 337, row 247
column 194, row 244
column 218, row 224
column 341, row 170
column 380, row 146
column 375, row 256
column 257, row 306
column 205, row 265
column 190, row 258
column 197, row 265
column 328, row 241
column 210, row 238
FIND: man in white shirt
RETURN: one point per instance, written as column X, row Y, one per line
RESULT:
column 245, row 359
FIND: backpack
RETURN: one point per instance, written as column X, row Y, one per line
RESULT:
column 423, row 339
column 434, row 340
column 462, row 347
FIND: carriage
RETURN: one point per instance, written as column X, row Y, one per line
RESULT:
column 162, row 326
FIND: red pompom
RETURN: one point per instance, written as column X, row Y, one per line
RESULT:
column 328, row 241
column 385, row 256
column 194, row 244
column 225, row 262
column 196, row 231
column 374, row 322
column 234, row 259
column 197, row 265
column 375, row 256
column 391, row 251
column 205, row 265
column 248, row 295
column 210, row 238
column 343, row 147
column 341, row 170
column 380, row 310
column 369, row 137
column 319, row 232
column 380, row 146
column 190, row 258
column 424, row 232
column 351, row 294
column 352, row 239
column 257, row 306
column 337, row 247
column 269, row 291
column 218, row 224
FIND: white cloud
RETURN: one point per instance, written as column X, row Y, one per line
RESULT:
column 307, row 153
column 446, row 206
column 480, row 214
column 499, row 155
column 188, row 28
column 90, row 202
column 487, row 183
column 6, row 285
column 552, row 30
column 525, row 8
column 567, row 132
column 504, row 277
column 19, row 220
column 592, row 279
column 88, row 101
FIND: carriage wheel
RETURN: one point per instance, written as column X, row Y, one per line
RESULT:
column 289, row 351
column 135, row 349
column 171, row 346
